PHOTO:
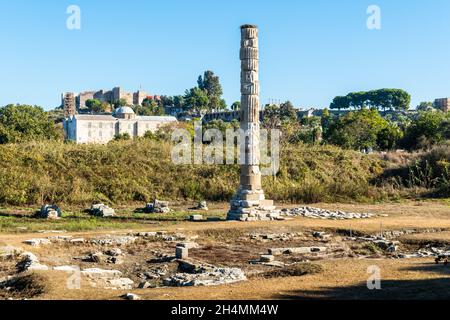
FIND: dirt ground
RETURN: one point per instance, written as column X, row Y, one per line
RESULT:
column 230, row 244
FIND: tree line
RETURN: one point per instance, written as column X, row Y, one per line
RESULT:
column 382, row 99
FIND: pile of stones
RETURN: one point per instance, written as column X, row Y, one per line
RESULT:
column 108, row 279
column 157, row 207
column 203, row 206
column 317, row 213
column 275, row 236
column 113, row 256
column 101, row 210
column 214, row 277
column 29, row 262
column 159, row 235
column 114, row 240
column 381, row 242
column 49, row 212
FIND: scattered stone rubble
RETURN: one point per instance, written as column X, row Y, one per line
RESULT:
column 49, row 212
column 296, row 250
column 275, row 236
column 157, row 207
column 102, row 211
column 114, row 240
column 9, row 252
column 108, row 279
column 161, row 235
column 381, row 242
column 113, row 256
column 29, row 262
column 131, row 296
column 202, row 206
column 37, row 242
column 317, row 213
column 217, row 277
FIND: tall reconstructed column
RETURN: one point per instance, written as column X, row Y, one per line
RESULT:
column 249, row 202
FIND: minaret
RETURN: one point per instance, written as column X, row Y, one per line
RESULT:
column 249, row 202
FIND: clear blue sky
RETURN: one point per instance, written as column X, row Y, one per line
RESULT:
column 311, row 50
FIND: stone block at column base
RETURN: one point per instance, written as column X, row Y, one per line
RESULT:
column 259, row 210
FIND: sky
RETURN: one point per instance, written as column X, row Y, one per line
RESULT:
column 311, row 50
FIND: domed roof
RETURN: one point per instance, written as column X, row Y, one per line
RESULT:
column 124, row 110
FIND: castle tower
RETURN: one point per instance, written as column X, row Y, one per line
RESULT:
column 249, row 202
column 69, row 104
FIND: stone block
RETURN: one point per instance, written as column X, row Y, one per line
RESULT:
column 181, row 253
column 267, row 258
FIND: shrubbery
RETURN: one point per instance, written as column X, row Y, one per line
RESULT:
column 141, row 170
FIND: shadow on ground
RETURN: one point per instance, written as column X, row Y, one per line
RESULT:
column 417, row 289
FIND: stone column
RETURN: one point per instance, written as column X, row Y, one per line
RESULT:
column 249, row 200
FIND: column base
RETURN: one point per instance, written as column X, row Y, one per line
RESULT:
column 252, row 206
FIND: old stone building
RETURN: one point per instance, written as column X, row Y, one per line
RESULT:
column 109, row 96
column 68, row 99
column 442, row 104
column 86, row 128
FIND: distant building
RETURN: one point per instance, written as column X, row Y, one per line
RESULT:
column 85, row 128
column 109, row 96
column 442, row 104
column 69, row 105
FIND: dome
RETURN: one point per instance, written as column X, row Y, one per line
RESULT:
column 124, row 110
column 124, row 113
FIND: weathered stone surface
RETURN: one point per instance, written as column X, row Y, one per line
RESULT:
column 101, row 210
column 296, row 250
column 317, row 213
column 114, row 240
column 131, row 296
column 202, row 205
column 69, row 269
column 37, row 242
column 157, row 207
column 50, row 212
column 196, row 217
column 181, row 253
column 267, row 258
column 108, row 279
column 29, row 262
column 218, row 276
column 9, row 252
column 188, row 245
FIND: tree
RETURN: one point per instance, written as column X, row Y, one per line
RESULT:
column 426, row 130
column 210, row 84
column 236, row 106
column 357, row 130
column 382, row 99
column 425, row 106
column 96, row 106
column 288, row 112
column 196, row 99
column 178, row 102
column 19, row 123
column 120, row 103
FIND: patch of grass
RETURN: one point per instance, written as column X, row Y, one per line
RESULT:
column 298, row 270
column 25, row 286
